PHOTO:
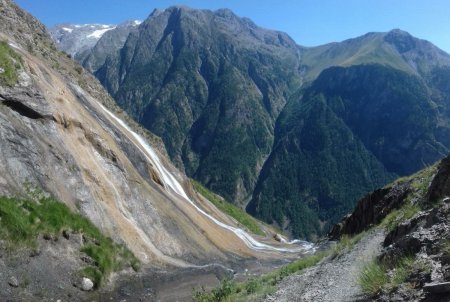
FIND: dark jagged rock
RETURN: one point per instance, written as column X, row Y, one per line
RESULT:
column 440, row 187
column 370, row 211
column 437, row 288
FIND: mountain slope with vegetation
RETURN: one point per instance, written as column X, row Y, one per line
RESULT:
column 394, row 246
column 111, row 198
column 295, row 135
column 210, row 85
column 353, row 130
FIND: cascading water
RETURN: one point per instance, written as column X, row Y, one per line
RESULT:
column 173, row 186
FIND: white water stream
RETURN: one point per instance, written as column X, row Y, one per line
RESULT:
column 172, row 185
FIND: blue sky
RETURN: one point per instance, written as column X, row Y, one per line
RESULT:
column 308, row 22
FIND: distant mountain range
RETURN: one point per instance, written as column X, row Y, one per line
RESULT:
column 294, row 134
column 80, row 40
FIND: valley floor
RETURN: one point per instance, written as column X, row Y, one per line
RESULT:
column 333, row 281
column 179, row 284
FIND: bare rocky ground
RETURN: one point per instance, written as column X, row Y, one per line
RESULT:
column 333, row 279
column 178, row 284
column 45, row 273
column 49, row 273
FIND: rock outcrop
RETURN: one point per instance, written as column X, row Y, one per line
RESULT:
column 370, row 211
column 440, row 187
column 416, row 213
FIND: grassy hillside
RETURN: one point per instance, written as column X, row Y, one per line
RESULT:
column 368, row 49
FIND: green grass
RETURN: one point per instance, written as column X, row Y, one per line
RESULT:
column 373, row 278
column 346, row 243
column 10, row 62
column 241, row 216
column 419, row 183
column 402, row 271
column 397, row 216
column 377, row 277
column 22, row 221
column 446, row 247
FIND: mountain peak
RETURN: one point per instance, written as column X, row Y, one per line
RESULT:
column 400, row 32
column 225, row 12
column 178, row 8
column 402, row 40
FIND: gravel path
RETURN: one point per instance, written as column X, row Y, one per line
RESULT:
column 332, row 280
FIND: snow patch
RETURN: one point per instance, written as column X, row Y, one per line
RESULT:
column 68, row 29
column 99, row 32
column 136, row 22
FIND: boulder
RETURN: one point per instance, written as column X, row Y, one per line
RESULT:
column 278, row 237
column 86, row 284
column 13, row 282
column 437, row 288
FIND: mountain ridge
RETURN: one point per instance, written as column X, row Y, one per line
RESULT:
column 213, row 86
column 64, row 136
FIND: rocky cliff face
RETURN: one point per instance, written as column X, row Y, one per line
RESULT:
column 107, row 45
column 62, row 132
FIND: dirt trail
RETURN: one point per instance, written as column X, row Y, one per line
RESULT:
column 332, row 281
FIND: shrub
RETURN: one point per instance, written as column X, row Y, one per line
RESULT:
column 222, row 293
